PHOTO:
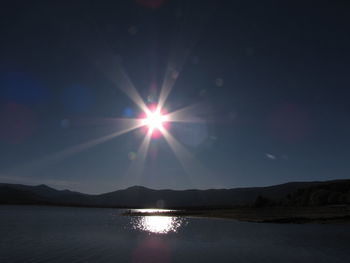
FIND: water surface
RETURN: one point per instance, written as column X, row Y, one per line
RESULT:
column 67, row 234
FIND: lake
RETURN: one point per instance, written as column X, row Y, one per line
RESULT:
column 68, row 234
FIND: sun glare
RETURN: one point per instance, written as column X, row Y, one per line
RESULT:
column 157, row 224
column 154, row 120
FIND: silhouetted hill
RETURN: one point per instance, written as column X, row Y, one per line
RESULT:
column 12, row 195
column 40, row 194
column 144, row 197
column 311, row 193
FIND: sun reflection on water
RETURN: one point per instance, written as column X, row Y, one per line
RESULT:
column 157, row 224
column 151, row 210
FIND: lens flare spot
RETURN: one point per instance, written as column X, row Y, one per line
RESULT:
column 132, row 156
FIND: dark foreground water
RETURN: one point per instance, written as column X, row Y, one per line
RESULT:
column 63, row 234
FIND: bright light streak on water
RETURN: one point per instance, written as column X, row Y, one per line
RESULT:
column 156, row 223
column 95, row 235
column 152, row 210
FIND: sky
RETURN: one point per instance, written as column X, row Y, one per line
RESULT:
column 264, row 86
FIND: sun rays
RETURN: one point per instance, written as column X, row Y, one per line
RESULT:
column 127, row 126
column 156, row 124
column 154, row 119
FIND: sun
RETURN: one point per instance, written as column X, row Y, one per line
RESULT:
column 154, row 119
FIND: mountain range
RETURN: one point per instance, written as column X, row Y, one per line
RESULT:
column 297, row 193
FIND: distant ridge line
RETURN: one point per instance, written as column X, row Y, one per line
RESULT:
column 291, row 193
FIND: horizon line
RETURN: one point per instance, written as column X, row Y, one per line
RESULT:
column 178, row 190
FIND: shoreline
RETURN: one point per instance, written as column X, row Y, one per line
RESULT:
column 280, row 215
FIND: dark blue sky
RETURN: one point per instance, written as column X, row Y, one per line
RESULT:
column 271, row 79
